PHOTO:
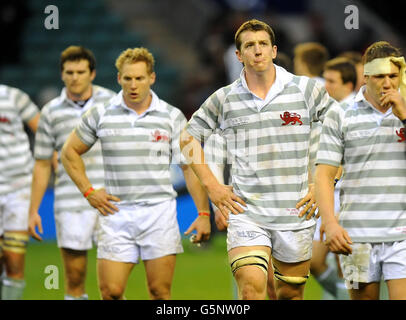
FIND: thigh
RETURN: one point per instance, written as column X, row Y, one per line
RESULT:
column 397, row 289
column 75, row 229
column 116, row 237
column 113, row 273
column 157, row 231
column 292, row 246
column 15, row 210
column 365, row 291
column 291, row 278
column 243, row 232
column 251, row 272
column 154, row 270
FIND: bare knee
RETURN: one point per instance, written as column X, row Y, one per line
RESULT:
column 251, row 287
column 159, row 291
column 111, row 292
column 285, row 291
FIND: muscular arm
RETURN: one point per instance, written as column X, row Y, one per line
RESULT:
column 220, row 195
column 75, row 167
column 73, row 163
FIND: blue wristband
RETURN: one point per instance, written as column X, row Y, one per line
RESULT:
column 404, row 122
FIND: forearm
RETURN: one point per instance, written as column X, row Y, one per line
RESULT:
column 40, row 179
column 196, row 190
column 324, row 189
column 75, row 168
column 194, row 154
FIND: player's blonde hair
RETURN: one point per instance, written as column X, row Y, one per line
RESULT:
column 136, row 55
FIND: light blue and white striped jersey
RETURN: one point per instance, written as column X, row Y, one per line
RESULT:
column 16, row 162
column 58, row 118
column 372, row 149
column 267, row 142
column 137, row 149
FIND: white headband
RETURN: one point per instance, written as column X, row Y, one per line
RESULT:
column 383, row 66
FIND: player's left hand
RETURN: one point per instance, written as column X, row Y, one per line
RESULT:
column 310, row 201
column 394, row 99
column 202, row 227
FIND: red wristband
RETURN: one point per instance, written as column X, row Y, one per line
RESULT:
column 88, row 192
column 207, row 214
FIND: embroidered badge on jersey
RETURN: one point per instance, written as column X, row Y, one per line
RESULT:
column 401, row 134
column 4, row 120
column 291, row 118
column 158, row 136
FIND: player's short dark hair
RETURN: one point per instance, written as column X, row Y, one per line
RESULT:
column 253, row 25
column 345, row 67
column 77, row 53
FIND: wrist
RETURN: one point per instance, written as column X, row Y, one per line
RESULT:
column 88, row 192
column 204, row 213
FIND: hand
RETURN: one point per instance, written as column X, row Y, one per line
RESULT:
column 394, row 99
column 310, row 201
column 223, row 198
column 337, row 239
column 33, row 222
column 220, row 220
column 100, row 200
column 202, row 227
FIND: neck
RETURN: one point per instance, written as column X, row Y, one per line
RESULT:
column 140, row 107
column 260, row 82
column 81, row 96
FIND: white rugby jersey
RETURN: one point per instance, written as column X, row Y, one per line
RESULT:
column 137, row 149
column 267, row 142
column 372, row 148
column 16, row 160
column 58, row 118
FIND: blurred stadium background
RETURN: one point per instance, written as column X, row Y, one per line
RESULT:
column 189, row 39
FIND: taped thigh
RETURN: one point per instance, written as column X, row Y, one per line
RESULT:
column 15, row 242
column 256, row 258
column 289, row 279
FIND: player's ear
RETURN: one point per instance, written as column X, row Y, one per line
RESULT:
column 238, row 54
column 119, row 78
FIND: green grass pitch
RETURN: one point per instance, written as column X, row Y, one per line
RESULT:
column 200, row 274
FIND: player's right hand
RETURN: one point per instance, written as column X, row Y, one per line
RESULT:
column 33, row 222
column 337, row 239
column 101, row 200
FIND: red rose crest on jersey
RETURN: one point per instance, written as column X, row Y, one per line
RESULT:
column 291, row 118
column 401, row 134
column 4, row 120
column 158, row 136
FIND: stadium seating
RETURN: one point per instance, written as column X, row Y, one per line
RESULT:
column 87, row 23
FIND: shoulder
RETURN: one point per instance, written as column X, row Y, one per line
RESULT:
column 11, row 92
column 102, row 93
column 173, row 112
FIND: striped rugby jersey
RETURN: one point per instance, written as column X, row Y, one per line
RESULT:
column 137, row 149
column 372, row 148
column 15, row 155
column 267, row 142
column 58, row 118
